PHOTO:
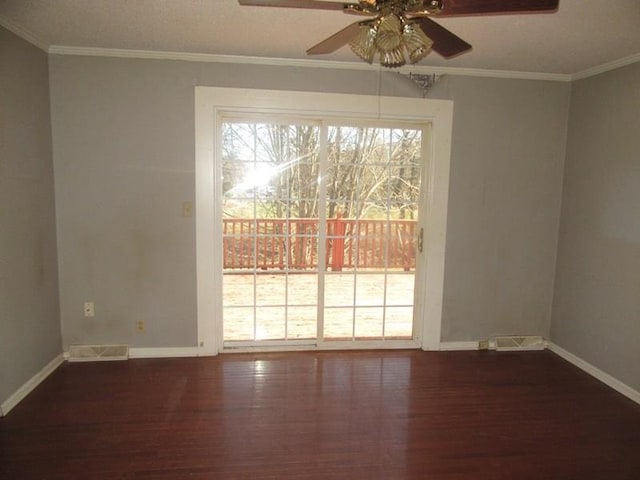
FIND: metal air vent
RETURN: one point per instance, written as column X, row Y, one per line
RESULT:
column 519, row 343
column 94, row 353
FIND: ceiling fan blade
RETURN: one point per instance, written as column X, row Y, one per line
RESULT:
column 314, row 4
column 475, row 7
column 445, row 43
column 335, row 41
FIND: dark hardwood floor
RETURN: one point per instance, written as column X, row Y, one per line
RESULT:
column 328, row 415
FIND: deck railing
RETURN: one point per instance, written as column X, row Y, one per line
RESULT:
column 276, row 244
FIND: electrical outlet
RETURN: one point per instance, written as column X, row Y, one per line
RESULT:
column 89, row 309
column 140, row 326
column 483, row 345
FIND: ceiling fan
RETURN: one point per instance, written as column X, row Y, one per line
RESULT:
column 399, row 26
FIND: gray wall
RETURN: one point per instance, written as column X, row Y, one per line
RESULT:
column 504, row 205
column 596, row 309
column 29, row 312
column 124, row 159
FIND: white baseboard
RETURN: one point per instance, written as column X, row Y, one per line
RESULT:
column 604, row 377
column 32, row 383
column 164, row 352
column 458, row 346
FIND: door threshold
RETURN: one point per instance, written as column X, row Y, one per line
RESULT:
column 249, row 347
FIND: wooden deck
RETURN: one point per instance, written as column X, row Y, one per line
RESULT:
column 324, row 415
column 301, row 289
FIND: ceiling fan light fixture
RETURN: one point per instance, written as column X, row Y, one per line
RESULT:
column 363, row 45
column 389, row 35
column 392, row 58
column 418, row 45
column 392, row 38
column 389, row 41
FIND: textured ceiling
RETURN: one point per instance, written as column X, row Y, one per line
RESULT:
column 582, row 34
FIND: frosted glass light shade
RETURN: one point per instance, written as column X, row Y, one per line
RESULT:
column 391, row 38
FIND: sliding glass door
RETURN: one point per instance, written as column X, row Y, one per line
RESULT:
column 320, row 231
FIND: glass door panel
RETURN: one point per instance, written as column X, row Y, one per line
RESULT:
column 270, row 231
column 373, row 192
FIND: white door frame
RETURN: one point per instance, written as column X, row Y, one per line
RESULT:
column 211, row 102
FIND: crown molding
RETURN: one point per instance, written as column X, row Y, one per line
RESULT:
column 287, row 62
column 24, row 34
column 606, row 67
column 283, row 62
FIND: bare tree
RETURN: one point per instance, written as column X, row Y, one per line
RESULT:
column 277, row 167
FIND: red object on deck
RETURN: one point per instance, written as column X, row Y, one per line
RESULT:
column 337, row 252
